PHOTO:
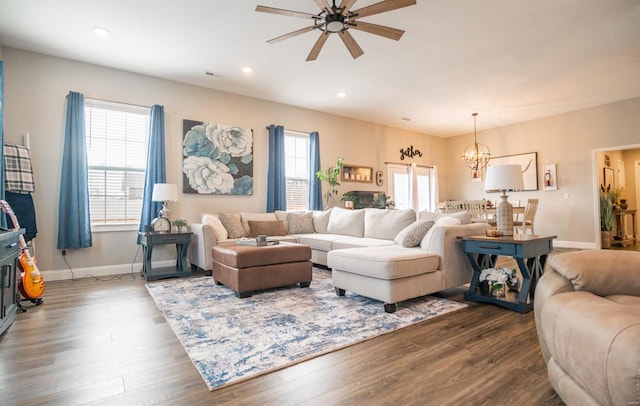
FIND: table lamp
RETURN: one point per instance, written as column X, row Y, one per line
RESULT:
column 503, row 178
column 164, row 192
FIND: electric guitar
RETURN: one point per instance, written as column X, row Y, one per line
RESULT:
column 31, row 281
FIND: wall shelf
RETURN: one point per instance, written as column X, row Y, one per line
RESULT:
column 357, row 173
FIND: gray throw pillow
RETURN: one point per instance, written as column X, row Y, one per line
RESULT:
column 300, row 223
column 233, row 224
column 412, row 234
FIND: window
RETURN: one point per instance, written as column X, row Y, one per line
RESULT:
column 116, row 137
column 296, row 152
column 407, row 193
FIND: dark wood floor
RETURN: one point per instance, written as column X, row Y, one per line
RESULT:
column 105, row 342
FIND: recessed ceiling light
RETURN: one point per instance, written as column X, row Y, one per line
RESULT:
column 247, row 69
column 405, row 119
column 341, row 95
column 101, row 31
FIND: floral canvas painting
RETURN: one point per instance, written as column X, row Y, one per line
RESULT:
column 217, row 159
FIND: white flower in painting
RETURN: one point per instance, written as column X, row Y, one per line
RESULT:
column 207, row 176
column 235, row 141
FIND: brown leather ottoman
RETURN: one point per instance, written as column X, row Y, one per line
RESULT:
column 246, row 269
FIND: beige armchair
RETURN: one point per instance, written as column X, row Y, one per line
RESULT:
column 587, row 314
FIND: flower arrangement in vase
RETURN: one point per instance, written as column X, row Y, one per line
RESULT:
column 498, row 279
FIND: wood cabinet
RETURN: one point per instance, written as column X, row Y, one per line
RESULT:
column 9, row 277
column 356, row 173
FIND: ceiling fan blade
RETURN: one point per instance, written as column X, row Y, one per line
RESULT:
column 382, row 7
column 281, row 11
column 384, row 31
column 351, row 44
column 345, row 6
column 324, row 6
column 315, row 51
column 294, row 33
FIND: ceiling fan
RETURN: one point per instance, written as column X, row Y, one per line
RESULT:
column 339, row 20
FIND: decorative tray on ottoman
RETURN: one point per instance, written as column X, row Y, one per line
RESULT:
column 255, row 243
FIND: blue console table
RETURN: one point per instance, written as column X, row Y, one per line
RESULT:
column 530, row 253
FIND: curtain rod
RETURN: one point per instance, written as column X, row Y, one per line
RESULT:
column 419, row 166
column 116, row 102
column 295, row 131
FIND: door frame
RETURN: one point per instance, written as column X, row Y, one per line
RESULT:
column 596, row 186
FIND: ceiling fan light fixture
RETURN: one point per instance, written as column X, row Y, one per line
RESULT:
column 476, row 156
column 340, row 20
column 334, row 22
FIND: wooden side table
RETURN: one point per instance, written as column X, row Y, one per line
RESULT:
column 530, row 253
column 621, row 226
column 150, row 240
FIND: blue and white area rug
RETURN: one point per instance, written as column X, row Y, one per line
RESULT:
column 231, row 339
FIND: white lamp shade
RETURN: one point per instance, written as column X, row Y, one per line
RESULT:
column 504, row 177
column 165, row 192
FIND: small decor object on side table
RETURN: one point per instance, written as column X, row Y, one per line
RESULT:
column 179, row 225
column 497, row 278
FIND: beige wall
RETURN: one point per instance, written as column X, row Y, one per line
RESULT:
column 35, row 92
column 568, row 140
column 36, row 86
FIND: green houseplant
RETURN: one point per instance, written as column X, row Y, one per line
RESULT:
column 179, row 224
column 606, row 216
column 331, row 176
column 352, row 197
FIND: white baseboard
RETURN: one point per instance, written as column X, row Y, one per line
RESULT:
column 575, row 244
column 99, row 271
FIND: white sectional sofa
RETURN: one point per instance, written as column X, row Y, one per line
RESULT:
column 376, row 253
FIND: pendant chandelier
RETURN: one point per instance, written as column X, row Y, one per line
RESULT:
column 476, row 156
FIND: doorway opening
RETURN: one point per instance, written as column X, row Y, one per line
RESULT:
column 614, row 167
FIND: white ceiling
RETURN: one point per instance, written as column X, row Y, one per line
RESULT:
column 508, row 60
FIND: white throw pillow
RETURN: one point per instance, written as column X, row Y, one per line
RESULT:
column 218, row 229
column 386, row 224
column 448, row 221
column 463, row 216
column 412, row 234
column 321, row 220
column 346, row 222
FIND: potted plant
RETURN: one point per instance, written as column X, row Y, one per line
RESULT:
column 606, row 216
column 614, row 194
column 351, row 197
column 179, row 224
column 331, row 176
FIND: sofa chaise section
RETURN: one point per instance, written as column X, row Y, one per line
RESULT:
column 395, row 273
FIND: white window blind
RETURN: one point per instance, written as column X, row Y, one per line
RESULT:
column 116, row 139
column 296, row 151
